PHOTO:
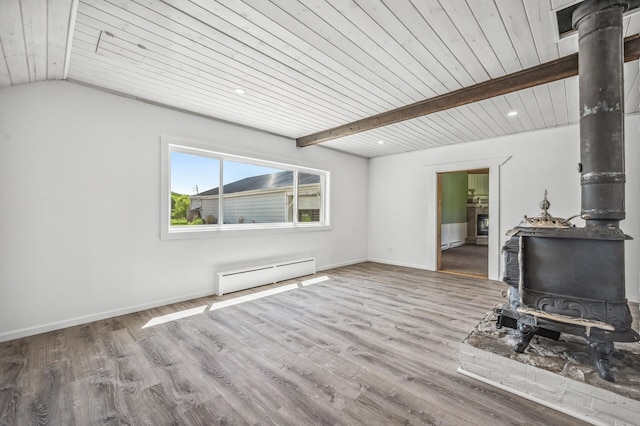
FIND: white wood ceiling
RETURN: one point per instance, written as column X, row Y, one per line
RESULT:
column 307, row 65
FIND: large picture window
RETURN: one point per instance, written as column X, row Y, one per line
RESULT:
column 207, row 191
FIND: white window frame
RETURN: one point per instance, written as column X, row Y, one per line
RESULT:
column 168, row 232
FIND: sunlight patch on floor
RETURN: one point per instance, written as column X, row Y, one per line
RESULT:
column 175, row 316
column 253, row 296
column 234, row 301
column 317, row 280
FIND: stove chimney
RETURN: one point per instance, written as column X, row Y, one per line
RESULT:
column 600, row 59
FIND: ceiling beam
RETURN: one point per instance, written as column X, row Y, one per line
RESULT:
column 558, row 69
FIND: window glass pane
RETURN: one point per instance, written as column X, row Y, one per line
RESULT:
column 194, row 189
column 256, row 194
column 211, row 192
column 309, row 197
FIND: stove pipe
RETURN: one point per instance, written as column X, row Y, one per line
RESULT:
column 600, row 59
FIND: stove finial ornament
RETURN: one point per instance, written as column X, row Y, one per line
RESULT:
column 545, row 204
column 544, row 219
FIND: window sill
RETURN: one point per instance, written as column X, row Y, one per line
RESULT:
column 204, row 231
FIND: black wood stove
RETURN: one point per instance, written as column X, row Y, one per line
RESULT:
column 566, row 279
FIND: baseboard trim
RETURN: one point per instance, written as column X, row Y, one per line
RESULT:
column 341, row 264
column 406, row 265
column 58, row 325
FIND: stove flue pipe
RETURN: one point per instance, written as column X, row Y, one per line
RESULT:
column 600, row 61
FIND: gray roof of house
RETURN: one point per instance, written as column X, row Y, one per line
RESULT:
column 269, row 181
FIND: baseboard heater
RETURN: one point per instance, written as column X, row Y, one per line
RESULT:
column 242, row 279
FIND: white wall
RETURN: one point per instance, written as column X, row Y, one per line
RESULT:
column 80, row 215
column 402, row 193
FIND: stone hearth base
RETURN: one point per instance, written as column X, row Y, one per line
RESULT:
column 557, row 374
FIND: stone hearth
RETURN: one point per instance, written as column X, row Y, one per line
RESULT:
column 558, row 374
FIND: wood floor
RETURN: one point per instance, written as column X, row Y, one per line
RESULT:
column 374, row 345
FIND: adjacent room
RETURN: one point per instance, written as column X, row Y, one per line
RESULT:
column 464, row 222
column 304, row 212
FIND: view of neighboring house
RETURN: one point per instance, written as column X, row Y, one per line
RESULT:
column 262, row 199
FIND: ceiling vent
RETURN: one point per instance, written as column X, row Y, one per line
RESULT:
column 563, row 17
column 124, row 51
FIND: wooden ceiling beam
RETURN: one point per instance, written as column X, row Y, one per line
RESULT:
column 558, row 69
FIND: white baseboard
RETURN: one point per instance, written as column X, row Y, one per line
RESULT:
column 58, row 325
column 338, row 265
column 406, row 265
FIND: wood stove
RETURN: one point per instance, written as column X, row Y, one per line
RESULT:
column 565, row 279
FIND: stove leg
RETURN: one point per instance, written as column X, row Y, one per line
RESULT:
column 527, row 331
column 601, row 353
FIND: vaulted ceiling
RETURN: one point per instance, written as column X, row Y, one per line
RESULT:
column 296, row 67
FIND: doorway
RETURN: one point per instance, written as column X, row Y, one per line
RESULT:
column 463, row 222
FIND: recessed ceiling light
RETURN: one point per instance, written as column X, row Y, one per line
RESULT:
column 512, row 113
column 240, row 91
column 380, row 142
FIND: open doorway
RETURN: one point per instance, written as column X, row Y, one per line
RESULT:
column 463, row 222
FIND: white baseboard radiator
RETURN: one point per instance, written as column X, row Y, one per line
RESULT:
column 242, row 279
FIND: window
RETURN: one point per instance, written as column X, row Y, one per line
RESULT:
column 207, row 191
column 309, row 197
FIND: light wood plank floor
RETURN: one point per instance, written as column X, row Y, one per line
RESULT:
column 374, row 345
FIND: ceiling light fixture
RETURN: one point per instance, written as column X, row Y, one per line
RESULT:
column 380, row 142
column 240, row 91
column 512, row 113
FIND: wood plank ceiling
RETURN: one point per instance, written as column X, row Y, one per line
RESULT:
column 307, row 65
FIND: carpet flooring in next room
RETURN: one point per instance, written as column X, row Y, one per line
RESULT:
column 467, row 259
